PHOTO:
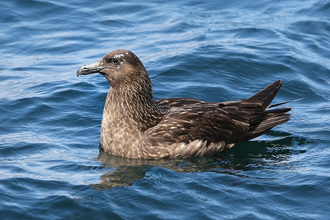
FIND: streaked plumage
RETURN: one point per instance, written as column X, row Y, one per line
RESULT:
column 136, row 126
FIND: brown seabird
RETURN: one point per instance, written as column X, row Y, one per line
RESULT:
column 136, row 126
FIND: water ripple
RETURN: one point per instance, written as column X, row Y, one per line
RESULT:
column 215, row 51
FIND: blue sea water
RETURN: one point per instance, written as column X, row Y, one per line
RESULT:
column 50, row 163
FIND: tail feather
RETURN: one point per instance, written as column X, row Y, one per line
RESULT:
column 267, row 95
column 270, row 117
column 261, row 115
column 281, row 103
column 278, row 110
column 266, row 125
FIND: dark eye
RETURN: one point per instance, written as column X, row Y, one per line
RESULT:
column 115, row 61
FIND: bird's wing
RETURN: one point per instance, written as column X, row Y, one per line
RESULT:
column 196, row 129
column 207, row 122
column 167, row 103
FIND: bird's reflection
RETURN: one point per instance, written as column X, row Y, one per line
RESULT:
column 120, row 171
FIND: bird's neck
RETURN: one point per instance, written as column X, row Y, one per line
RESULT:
column 134, row 108
column 126, row 115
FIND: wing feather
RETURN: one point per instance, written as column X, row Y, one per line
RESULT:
column 205, row 122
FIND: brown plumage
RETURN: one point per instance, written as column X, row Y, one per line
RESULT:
column 136, row 126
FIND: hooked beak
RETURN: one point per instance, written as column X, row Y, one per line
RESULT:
column 89, row 69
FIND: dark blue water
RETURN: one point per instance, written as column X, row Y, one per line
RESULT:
column 50, row 165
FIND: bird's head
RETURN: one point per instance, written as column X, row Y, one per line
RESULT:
column 121, row 68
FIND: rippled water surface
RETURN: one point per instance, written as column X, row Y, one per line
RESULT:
column 50, row 163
